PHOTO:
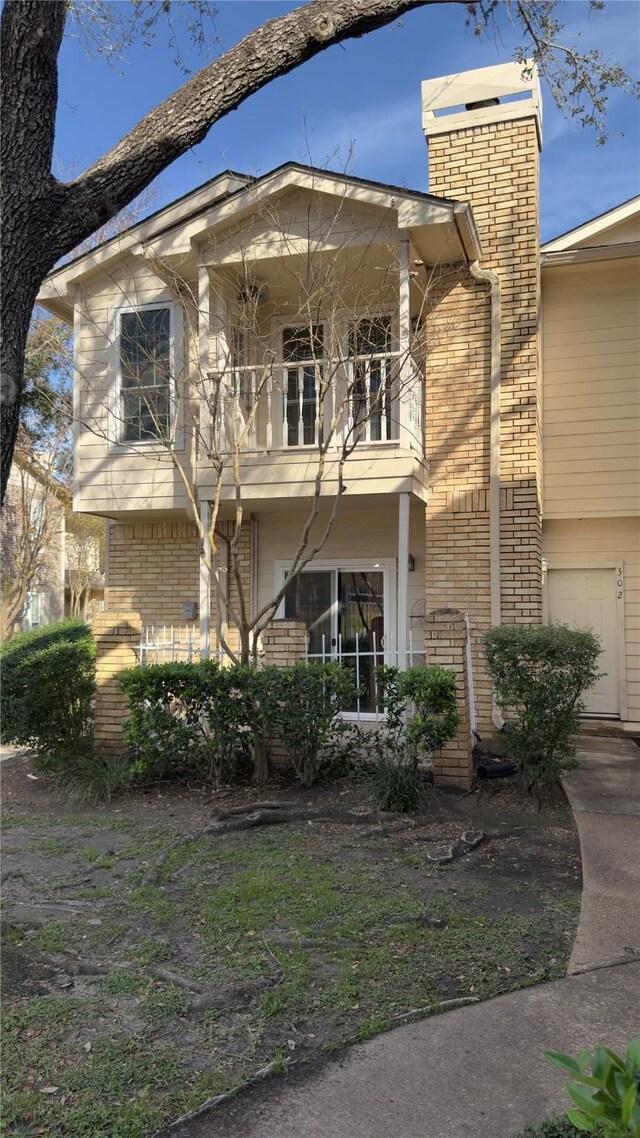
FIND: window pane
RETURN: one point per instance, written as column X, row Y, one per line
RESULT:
column 301, row 343
column 370, row 337
column 145, row 414
column 308, row 598
column 145, row 356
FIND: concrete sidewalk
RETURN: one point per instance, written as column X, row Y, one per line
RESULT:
column 478, row 1072
column 605, row 798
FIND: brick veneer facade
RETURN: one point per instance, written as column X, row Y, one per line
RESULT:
column 447, row 639
column 495, row 168
column 117, row 636
column 153, row 569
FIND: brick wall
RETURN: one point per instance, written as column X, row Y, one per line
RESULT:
column 154, row 570
column 117, row 635
column 284, row 642
column 446, row 644
column 495, row 168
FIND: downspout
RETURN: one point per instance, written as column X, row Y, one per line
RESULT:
column 486, row 276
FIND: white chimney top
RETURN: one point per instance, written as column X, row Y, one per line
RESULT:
column 478, row 98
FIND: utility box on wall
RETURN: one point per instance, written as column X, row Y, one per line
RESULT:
column 190, row 610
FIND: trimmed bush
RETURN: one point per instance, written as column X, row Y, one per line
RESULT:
column 309, row 699
column 190, row 717
column 421, row 716
column 540, row 674
column 214, row 721
column 48, row 687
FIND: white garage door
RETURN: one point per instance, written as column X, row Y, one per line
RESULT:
column 586, row 598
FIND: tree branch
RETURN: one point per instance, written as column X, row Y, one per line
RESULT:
column 185, row 118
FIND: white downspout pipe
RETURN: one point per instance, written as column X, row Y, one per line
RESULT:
column 487, row 276
column 205, row 585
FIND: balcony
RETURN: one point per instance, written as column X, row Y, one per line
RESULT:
column 341, row 404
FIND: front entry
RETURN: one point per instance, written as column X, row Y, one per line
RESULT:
column 587, row 598
column 345, row 611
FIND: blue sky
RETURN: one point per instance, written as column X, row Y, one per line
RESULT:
column 362, row 97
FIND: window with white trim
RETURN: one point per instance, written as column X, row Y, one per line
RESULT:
column 145, row 358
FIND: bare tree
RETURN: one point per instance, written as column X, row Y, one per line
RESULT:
column 43, row 219
column 84, row 550
column 32, row 520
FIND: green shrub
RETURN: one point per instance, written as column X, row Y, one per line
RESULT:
column 214, row 720
column 605, row 1092
column 550, row 1128
column 540, row 674
column 421, row 716
column 48, row 687
column 308, row 701
column 197, row 717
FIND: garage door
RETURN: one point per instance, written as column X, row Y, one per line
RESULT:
column 586, row 598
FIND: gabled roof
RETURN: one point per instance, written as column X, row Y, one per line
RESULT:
column 183, row 224
column 593, row 233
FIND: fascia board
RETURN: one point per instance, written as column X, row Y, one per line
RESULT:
column 592, row 228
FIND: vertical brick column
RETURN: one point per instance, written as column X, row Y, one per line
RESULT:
column 445, row 644
column 284, row 642
column 117, row 635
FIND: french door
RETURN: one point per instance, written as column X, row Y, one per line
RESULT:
column 346, row 613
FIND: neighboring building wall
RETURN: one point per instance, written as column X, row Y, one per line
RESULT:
column 591, row 431
column 591, row 390
column 23, row 495
column 495, row 167
column 593, row 541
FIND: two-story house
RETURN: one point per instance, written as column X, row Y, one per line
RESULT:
column 319, row 361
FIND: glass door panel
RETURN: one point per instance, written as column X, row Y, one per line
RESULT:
column 310, row 597
column 361, row 630
column 345, row 617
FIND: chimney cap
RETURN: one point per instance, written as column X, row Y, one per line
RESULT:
column 477, row 98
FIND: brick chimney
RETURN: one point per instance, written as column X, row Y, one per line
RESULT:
column 483, row 131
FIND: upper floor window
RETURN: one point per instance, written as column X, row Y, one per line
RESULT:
column 145, row 351
column 302, row 349
column 371, row 378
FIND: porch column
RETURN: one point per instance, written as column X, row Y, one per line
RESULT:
column 204, row 323
column 404, row 501
column 404, row 343
column 221, row 361
column 205, row 586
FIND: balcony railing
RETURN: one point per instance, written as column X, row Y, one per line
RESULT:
column 372, row 399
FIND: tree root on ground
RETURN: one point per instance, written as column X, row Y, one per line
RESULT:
column 256, row 814
column 263, row 1073
column 250, row 818
column 206, row 999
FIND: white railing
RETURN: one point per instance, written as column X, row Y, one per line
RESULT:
column 363, row 655
column 283, row 406
column 169, row 644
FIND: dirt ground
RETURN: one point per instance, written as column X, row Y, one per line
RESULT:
column 132, row 994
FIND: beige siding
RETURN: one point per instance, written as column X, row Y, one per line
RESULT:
column 591, row 345
column 361, row 531
column 601, row 541
column 112, row 477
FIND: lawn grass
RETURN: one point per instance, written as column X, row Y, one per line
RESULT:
column 345, row 934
